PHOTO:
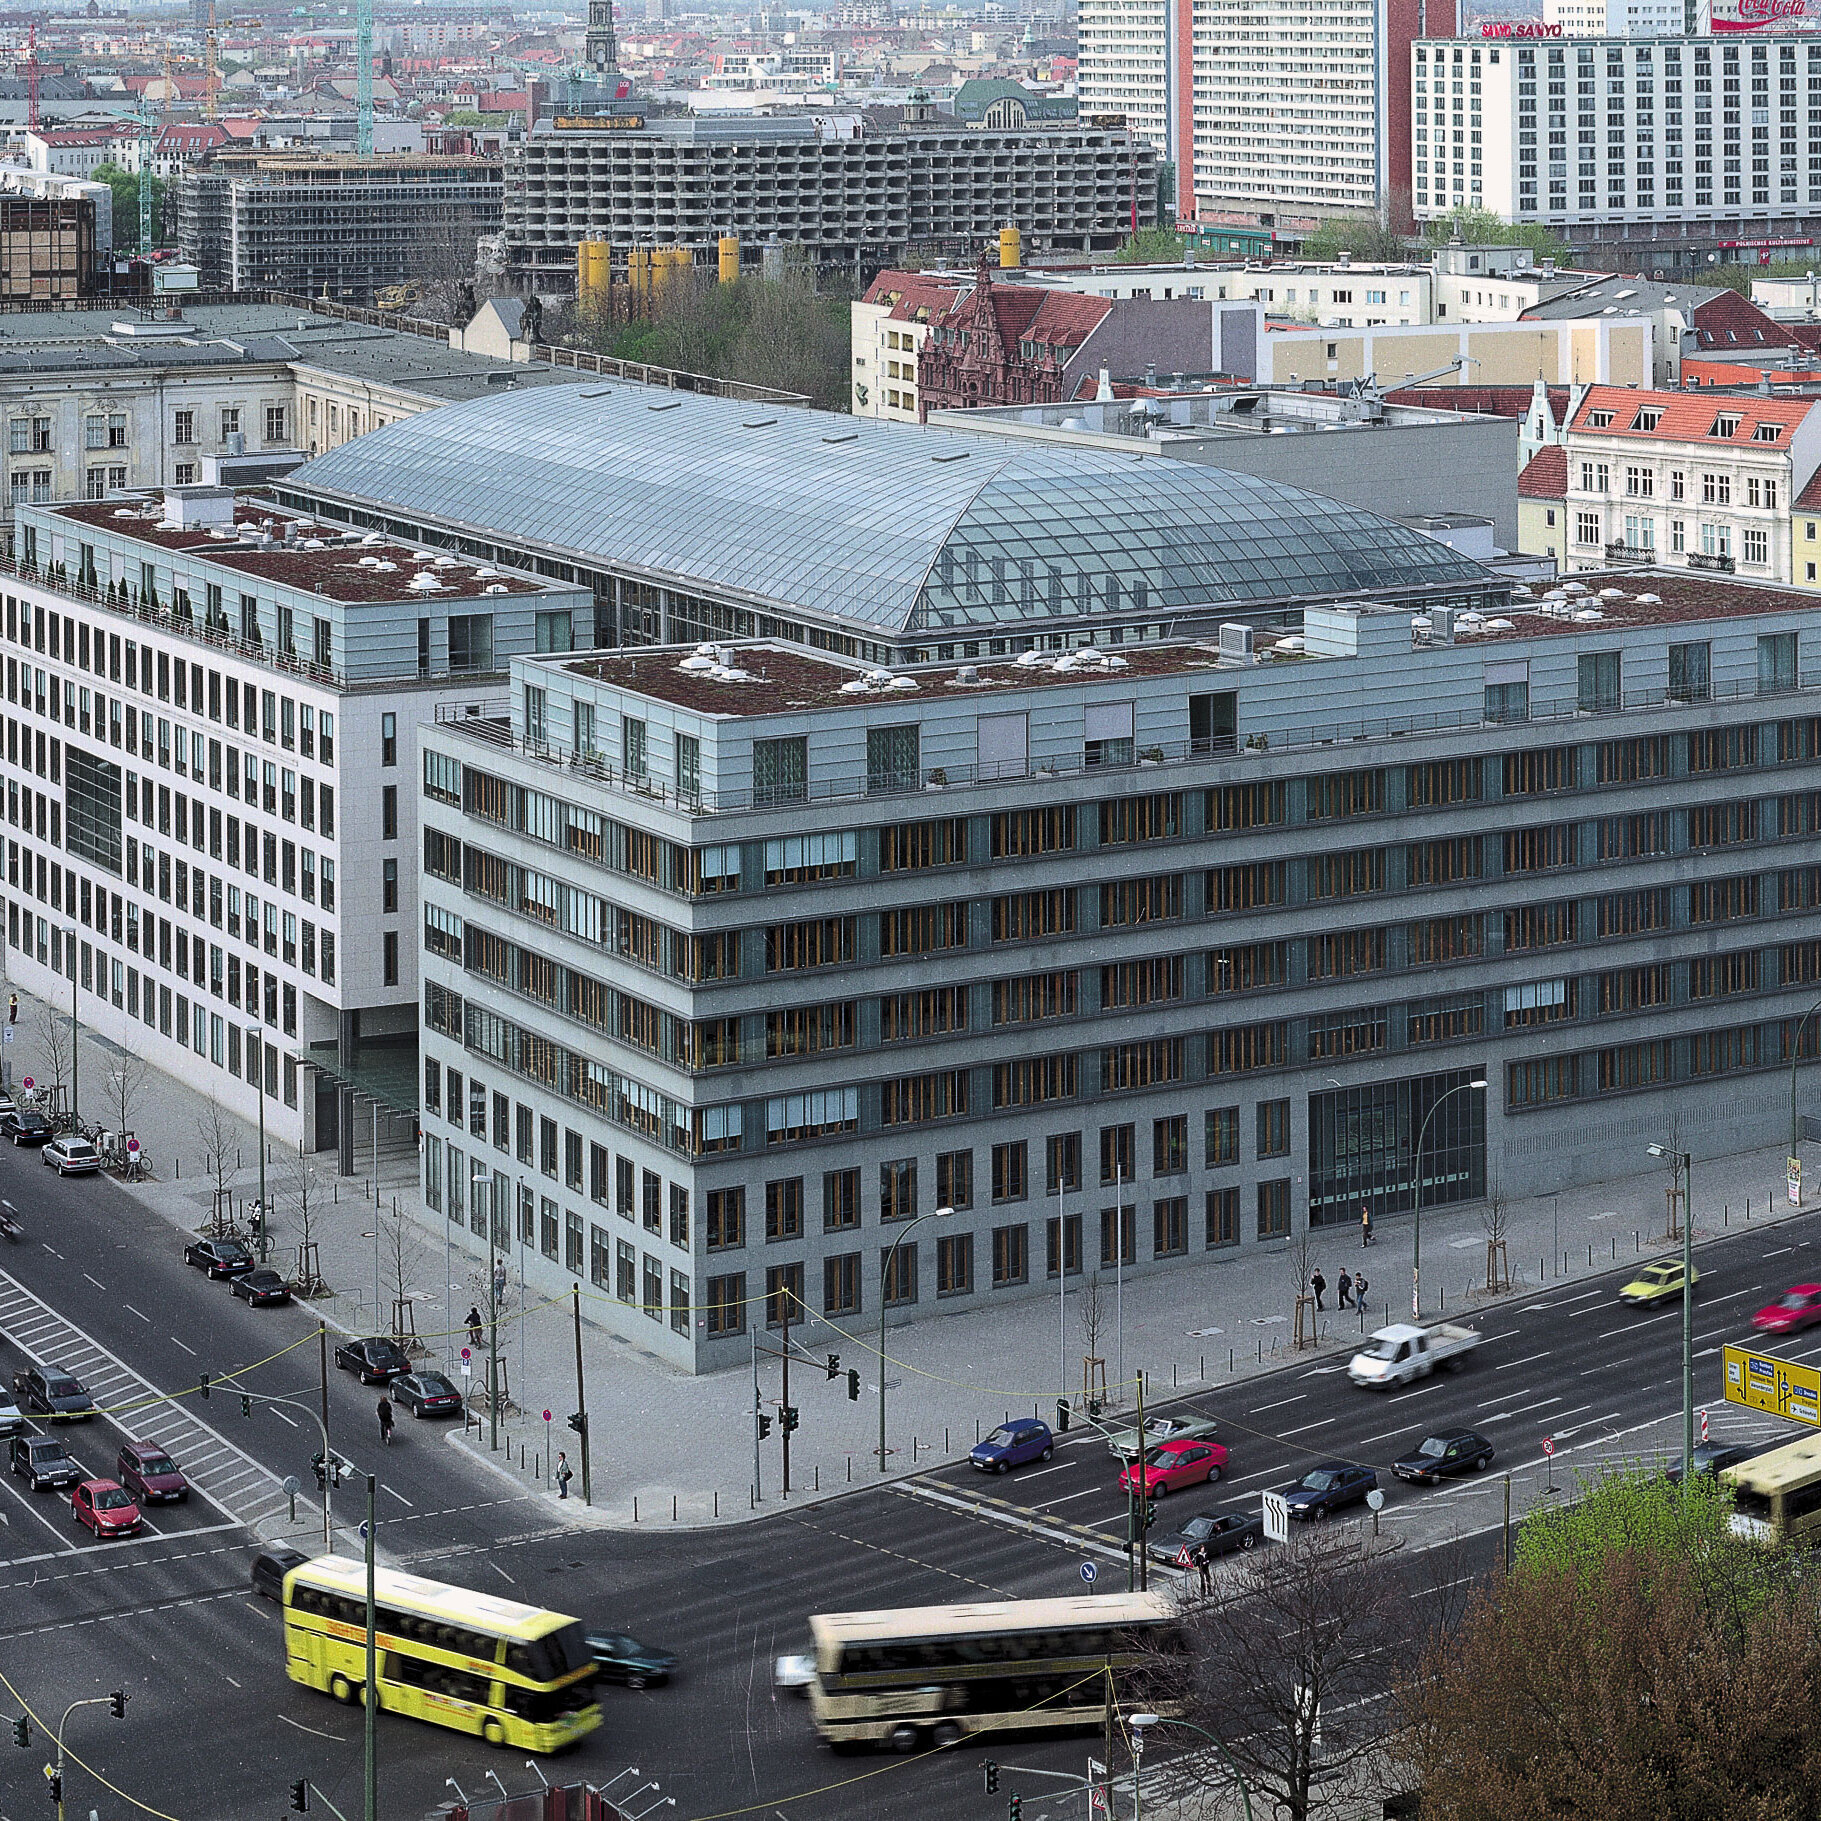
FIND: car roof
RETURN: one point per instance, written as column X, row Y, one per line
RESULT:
column 1803, row 1290
column 101, row 1486
column 1449, row 1435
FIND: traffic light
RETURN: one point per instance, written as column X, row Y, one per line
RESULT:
column 1014, row 1809
column 22, row 1731
column 1062, row 1416
column 1147, row 1512
column 246, row 1405
column 764, row 1425
column 578, row 1421
column 853, row 1384
column 300, row 1797
column 834, row 1367
column 1093, row 1409
column 787, row 1415
column 55, row 1779
column 991, row 1772
column 116, row 1703
column 203, row 1385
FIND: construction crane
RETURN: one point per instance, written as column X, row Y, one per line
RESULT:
column 211, row 103
column 363, row 79
column 31, row 78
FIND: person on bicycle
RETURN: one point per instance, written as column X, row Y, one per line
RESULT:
column 385, row 1419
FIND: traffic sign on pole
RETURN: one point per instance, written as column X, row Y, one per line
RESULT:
column 1089, row 1573
column 1777, row 1386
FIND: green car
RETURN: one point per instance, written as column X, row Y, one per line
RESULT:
column 1656, row 1283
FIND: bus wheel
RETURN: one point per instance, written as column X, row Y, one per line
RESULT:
column 902, row 1738
column 341, row 1688
column 494, row 1733
column 947, row 1733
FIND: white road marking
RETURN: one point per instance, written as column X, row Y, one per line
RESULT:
column 96, row 1281
column 1325, row 1423
column 1067, row 1498
column 400, row 1497
column 1525, row 1361
column 1262, row 1408
column 191, row 1351
column 139, row 1312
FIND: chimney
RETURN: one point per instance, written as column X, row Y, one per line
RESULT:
column 1343, row 259
column 1548, row 268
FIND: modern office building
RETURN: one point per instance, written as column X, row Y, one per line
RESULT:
column 845, row 196
column 1126, row 856
column 211, row 713
column 330, row 224
column 1617, row 18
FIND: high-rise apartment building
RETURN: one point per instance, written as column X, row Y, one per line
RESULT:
column 1135, row 60
column 1617, row 18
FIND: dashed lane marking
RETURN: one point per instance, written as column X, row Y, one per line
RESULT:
column 898, row 1555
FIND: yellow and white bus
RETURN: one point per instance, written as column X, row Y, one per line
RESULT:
column 1777, row 1495
column 514, row 1674
column 929, row 1675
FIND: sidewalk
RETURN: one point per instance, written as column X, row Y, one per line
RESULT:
column 670, row 1448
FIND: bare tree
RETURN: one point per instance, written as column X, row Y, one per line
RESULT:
column 1091, row 1312
column 302, row 1184
column 56, row 1048
column 441, row 264
column 401, row 1256
column 1674, row 1190
column 1495, row 1219
column 220, row 1144
column 1301, row 1259
column 123, row 1085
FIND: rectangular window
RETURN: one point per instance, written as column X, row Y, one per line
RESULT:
column 1690, row 672
column 1776, row 661
column 726, row 1219
column 955, row 1265
column 1274, row 1209
column 784, row 1209
column 1011, row 1172
column 1273, row 1119
column 1170, row 1145
column 780, row 770
column 955, row 1179
column 726, row 1299
column 841, row 1284
column 898, row 1189
column 918, row 846
column 1221, row 1218
column 1170, row 1227
column 840, row 1200
column 1011, row 1256
column 1597, row 682
column 893, row 758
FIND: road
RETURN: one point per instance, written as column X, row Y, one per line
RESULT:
column 169, row 1616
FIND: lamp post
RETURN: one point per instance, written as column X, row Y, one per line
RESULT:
column 69, row 943
column 1684, row 1162
column 1138, row 1724
column 257, row 1035
column 1795, row 1056
column 1416, row 1249
column 885, row 1281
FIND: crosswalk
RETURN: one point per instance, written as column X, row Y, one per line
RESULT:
column 230, row 1479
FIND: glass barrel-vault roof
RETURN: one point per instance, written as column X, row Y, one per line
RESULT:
column 887, row 527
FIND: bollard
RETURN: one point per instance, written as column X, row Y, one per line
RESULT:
column 673, row 1507
column 180, row 1169
column 752, row 1497
column 946, row 1448
column 850, row 1469
column 818, row 1484
column 717, row 1501
column 635, row 1507
column 976, row 1428
column 1261, row 1350
column 1229, row 1362
column 1590, row 1258
column 1726, row 1215
column 1203, row 1373
column 1637, row 1240
column 1615, row 1245
column 913, row 1451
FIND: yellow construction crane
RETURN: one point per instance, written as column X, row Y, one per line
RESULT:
column 211, row 103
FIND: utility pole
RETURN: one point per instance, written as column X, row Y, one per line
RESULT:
column 259, row 1037
column 581, row 1397
column 372, row 1701
column 784, row 1405
column 752, row 1334
column 493, row 1328
column 75, row 1030
column 322, row 1343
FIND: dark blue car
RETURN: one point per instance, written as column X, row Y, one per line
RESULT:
column 1024, row 1438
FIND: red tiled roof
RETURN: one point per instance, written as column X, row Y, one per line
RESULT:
column 1065, row 319
column 1494, row 401
column 1730, row 322
column 1689, row 417
column 1545, row 475
column 910, row 296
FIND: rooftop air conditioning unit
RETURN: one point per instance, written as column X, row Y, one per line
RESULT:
column 1238, row 643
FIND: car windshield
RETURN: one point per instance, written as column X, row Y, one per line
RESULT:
column 1383, row 1349
column 1000, row 1438
column 60, row 1384
column 1201, row 1526
column 1796, row 1299
column 559, row 1652
column 1321, row 1480
column 1661, row 1273
column 435, row 1384
column 1433, row 1445
column 157, row 1463
column 114, row 1499
column 1159, row 1457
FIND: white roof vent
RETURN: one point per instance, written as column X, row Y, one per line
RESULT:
column 1500, row 626
column 495, row 588
column 1651, row 600
column 373, row 537
column 1612, row 594
column 698, row 662
column 1028, row 658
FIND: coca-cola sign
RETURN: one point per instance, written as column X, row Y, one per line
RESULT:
column 1757, row 15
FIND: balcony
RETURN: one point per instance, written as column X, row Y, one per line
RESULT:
column 1631, row 553
column 1699, row 559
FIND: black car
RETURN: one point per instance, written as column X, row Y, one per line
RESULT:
column 23, row 1126
column 1220, row 1532
column 1711, row 1457
column 426, row 1394
column 374, row 1361
column 618, row 1658
column 261, row 1287
column 271, row 1565
column 43, row 1463
column 46, row 1391
column 1437, row 1457
column 219, row 1257
column 1328, row 1488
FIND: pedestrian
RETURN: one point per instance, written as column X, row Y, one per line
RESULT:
column 1343, row 1290
column 564, row 1474
column 385, row 1419
column 474, row 1326
column 1359, row 1289
column 1365, row 1224
column 1319, row 1285
column 1204, row 1567
column 499, row 1281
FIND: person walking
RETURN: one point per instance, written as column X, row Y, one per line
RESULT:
column 1365, row 1225
column 1319, row 1285
column 564, row 1474
column 1359, row 1290
column 385, row 1419
column 1343, row 1291
column 474, row 1326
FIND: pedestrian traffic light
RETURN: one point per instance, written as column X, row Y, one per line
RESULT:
column 991, row 1772
column 246, row 1405
column 22, row 1731
column 787, row 1415
column 1062, row 1416
column 203, row 1385
column 853, row 1384
column 300, row 1797
column 116, row 1703
column 1093, row 1409
column 55, row 1779
column 1014, row 1809
column 578, row 1421
column 834, row 1367
column 764, row 1425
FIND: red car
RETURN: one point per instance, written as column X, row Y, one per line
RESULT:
column 1797, row 1308
column 106, row 1507
column 1172, row 1465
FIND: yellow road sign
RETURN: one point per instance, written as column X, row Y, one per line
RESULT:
column 1762, row 1381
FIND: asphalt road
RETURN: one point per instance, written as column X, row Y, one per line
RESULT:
column 214, row 1729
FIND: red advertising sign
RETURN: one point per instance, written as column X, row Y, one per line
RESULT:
column 1756, row 15
column 1535, row 28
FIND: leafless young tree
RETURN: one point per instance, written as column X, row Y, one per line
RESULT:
column 1301, row 1259
column 122, row 1087
column 1091, row 1312
column 220, row 1143
column 401, row 1258
column 56, row 1047
column 1675, row 1196
column 302, row 1185
column 1495, row 1220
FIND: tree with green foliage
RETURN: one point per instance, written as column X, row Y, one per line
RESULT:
column 1151, row 247
column 125, row 188
column 1359, row 238
column 1483, row 228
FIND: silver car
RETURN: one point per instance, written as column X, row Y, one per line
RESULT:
column 1128, row 1444
column 12, row 1419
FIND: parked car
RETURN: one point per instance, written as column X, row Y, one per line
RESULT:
column 1797, row 1308
column 1656, row 1283
column 23, row 1126
column 270, row 1566
column 7, row 1103
column 1024, row 1438
column 618, row 1658
column 150, row 1474
column 46, row 1391
column 219, row 1257
column 43, row 1462
column 425, row 1394
column 1403, row 1352
column 71, row 1157
column 1172, row 1465
column 107, row 1508
column 1438, row 1457
column 1128, row 1443
column 1712, row 1457
column 1331, row 1487
column 1219, row 1532
column 12, row 1418
column 374, row 1361
column 261, row 1287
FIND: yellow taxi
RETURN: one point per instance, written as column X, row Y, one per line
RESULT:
column 1658, row 1281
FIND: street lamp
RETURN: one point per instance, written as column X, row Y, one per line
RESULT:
column 257, row 1036
column 885, row 1281
column 69, row 942
column 1685, row 1163
column 1138, row 1724
column 1795, row 1056
column 1416, row 1249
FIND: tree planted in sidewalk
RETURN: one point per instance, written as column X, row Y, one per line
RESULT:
column 219, row 1138
column 302, row 1185
column 123, row 1086
column 56, row 1046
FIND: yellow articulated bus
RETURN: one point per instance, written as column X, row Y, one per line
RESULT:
column 1777, row 1496
column 513, row 1674
column 929, row 1675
